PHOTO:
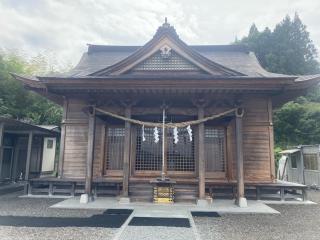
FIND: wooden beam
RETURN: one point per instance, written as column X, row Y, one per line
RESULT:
column 201, row 157
column 29, row 149
column 62, row 138
column 90, row 152
column 126, row 154
column 239, row 147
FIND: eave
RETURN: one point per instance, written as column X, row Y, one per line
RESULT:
column 167, row 83
column 38, row 87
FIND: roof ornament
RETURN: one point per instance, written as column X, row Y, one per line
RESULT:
column 165, row 51
column 166, row 28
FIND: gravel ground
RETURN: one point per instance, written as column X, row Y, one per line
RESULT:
column 295, row 222
column 158, row 233
column 10, row 204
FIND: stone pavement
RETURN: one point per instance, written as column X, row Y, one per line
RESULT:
column 153, row 230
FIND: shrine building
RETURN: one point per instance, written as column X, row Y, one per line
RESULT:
column 196, row 116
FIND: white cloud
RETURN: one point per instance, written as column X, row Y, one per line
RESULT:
column 63, row 28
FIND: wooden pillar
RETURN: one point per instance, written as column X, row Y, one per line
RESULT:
column 241, row 201
column 201, row 158
column 62, row 139
column 90, row 151
column 165, row 143
column 30, row 138
column 126, row 154
column 1, row 146
column 271, row 141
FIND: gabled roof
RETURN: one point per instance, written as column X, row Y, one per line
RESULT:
column 166, row 58
column 164, row 47
column 235, row 57
column 216, row 60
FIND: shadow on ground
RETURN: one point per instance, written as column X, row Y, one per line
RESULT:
column 111, row 218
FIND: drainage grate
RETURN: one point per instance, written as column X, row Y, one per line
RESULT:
column 205, row 214
column 165, row 222
column 118, row 211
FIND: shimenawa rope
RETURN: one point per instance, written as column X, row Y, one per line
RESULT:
column 167, row 125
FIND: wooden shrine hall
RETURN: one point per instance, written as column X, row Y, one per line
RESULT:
column 193, row 116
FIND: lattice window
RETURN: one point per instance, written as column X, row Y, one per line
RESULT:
column 181, row 155
column 114, row 148
column 148, row 153
column 173, row 63
column 215, row 149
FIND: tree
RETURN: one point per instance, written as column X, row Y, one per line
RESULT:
column 18, row 103
column 288, row 49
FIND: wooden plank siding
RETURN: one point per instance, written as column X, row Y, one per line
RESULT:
column 76, row 140
column 257, row 140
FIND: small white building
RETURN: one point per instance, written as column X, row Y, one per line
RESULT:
column 301, row 164
column 26, row 150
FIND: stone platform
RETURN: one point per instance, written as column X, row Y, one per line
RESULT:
column 167, row 210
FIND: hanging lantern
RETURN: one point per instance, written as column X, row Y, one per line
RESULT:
column 156, row 135
column 189, row 132
column 175, row 135
column 143, row 135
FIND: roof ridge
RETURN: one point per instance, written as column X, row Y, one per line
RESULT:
column 205, row 47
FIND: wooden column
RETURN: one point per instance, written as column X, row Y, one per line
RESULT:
column 30, row 138
column 201, row 158
column 126, row 154
column 241, row 201
column 165, row 142
column 271, row 141
column 62, row 139
column 90, row 151
column 1, row 146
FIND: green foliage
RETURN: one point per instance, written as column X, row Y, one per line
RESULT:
column 18, row 103
column 288, row 49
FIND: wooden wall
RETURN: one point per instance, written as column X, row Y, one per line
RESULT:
column 258, row 141
column 76, row 141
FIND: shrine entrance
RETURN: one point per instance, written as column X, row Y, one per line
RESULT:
column 180, row 156
column 180, row 159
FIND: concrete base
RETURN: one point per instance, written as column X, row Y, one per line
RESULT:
column 124, row 200
column 202, row 203
column 167, row 210
column 242, row 202
column 85, row 198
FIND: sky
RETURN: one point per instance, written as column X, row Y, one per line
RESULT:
column 61, row 29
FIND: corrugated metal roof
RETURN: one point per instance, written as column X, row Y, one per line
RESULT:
column 290, row 151
column 16, row 125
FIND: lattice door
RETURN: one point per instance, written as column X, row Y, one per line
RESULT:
column 114, row 150
column 215, row 151
column 180, row 155
column 148, row 153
